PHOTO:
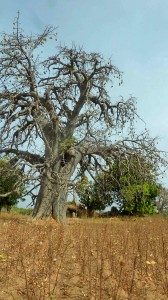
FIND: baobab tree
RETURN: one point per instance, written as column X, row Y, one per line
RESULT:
column 58, row 118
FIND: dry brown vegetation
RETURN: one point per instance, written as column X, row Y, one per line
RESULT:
column 83, row 259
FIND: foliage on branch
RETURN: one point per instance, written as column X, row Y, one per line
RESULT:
column 66, row 144
column 90, row 196
column 10, row 189
column 162, row 200
column 133, row 187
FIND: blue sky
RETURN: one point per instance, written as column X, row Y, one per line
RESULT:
column 132, row 32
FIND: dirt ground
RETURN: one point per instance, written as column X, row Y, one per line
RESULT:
column 99, row 259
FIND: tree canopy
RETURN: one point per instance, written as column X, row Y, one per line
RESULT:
column 92, row 195
column 58, row 116
column 132, row 184
column 162, row 200
column 10, row 189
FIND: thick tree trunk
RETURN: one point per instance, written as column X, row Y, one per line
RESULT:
column 51, row 201
column 52, row 197
column 90, row 212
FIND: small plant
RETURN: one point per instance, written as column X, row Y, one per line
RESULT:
column 68, row 143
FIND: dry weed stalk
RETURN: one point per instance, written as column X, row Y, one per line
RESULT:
column 87, row 259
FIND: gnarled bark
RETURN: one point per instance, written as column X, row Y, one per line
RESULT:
column 52, row 196
column 51, row 201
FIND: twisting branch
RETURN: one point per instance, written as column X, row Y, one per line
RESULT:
column 57, row 115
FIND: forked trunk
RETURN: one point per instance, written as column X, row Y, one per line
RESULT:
column 51, row 201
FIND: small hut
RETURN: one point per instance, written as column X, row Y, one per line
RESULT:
column 75, row 210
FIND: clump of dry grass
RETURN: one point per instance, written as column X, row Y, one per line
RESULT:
column 83, row 259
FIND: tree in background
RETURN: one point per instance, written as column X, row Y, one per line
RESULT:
column 57, row 116
column 139, row 198
column 91, row 197
column 129, row 188
column 162, row 200
column 10, row 189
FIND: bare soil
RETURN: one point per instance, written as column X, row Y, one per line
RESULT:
column 99, row 259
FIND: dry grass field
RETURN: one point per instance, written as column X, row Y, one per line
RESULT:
column 95, row 259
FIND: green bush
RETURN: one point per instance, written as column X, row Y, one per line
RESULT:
column 10, row 176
